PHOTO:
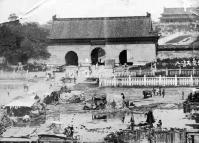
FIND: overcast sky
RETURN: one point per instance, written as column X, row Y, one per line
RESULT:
column 86, row 8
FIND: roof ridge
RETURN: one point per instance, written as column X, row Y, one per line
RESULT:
column 100, row 18
column 178, row 7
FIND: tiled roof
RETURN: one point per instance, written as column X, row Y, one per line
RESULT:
column 102, row 27
column 171, row 11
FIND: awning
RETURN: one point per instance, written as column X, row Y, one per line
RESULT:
column 22, row 102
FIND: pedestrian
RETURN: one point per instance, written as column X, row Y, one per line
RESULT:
column 113, row 104
column 123, row 100
column 150, row 118
column 26, row 87
column 50, row 86
column 123, row 118
column 154, row 91
column 132, row 122
column 123, row 97
column 159, row 92
column 159, row 125
column 182, row 95
column 163, row 93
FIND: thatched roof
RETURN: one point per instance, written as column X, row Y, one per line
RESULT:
column 102, row 27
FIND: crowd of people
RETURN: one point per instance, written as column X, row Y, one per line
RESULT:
column 178, row 63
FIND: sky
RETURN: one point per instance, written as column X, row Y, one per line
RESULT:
column 43, row 10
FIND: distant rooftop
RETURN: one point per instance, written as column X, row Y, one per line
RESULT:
column 172, row 11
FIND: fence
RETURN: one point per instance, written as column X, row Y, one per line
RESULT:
column 162, row 72
column 156, row 136
column 134, row 73
column 182, row 72
column 149, row 81
column 20, row 75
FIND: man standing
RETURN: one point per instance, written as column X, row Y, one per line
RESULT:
column 160, row 91
column 150, row 118
column 123, row 98
column 182, row 95
column 154, row 91
column 163, row 93
column 132, row 122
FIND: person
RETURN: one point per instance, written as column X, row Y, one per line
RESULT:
column 160, row 91
column 150, row 118
column 69, row 131
column 194, row 62
column 182, row 95
column 132, row 122
column 159, row 125
column 154, row 91
column 113, row 104
column 26, row 87
column 123, row 118
column 123, row 98
column 163, row 93
column 190, row 97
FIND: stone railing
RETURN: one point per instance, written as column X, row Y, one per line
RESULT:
column 163, row 72
column 149, row 81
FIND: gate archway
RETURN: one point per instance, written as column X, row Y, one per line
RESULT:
column 123, row 57
column 71, row 58
column 97, row 56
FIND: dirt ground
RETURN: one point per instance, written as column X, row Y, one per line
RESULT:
column 90, row 129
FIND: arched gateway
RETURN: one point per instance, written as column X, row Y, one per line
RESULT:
column 71, row 58
column 89, row 36
column 123, row 57
column 97, row 56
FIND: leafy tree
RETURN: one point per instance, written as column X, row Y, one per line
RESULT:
column 20, row 42
column 195, row 44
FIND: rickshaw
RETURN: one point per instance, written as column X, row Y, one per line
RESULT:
column 147, row 94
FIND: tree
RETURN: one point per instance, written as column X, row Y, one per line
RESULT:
column 195, row 44
column 12, row 17
column 20, row 42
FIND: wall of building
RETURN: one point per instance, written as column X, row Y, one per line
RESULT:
column 136, row 53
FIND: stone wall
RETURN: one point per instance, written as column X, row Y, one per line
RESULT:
column 136, row 53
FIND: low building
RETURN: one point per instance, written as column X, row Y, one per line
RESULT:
column 85, row 41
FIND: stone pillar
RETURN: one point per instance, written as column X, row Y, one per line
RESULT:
column 193, row 73
column 180, row 71
column 176, row 80
column 100, row 82
column 191, row 81
column 140, row 71
column 166, row 71
column 160, row 80
column 129, row 81
column 114, row 79
column 144, row 80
